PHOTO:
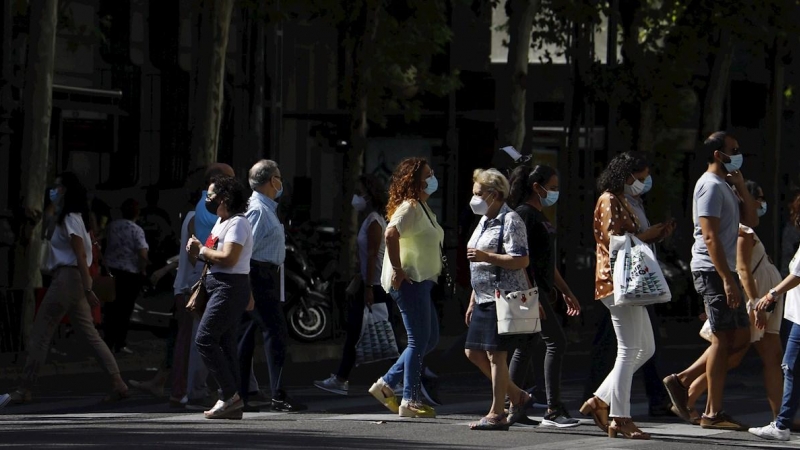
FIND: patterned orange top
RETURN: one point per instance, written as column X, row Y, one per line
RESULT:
column 612, row 216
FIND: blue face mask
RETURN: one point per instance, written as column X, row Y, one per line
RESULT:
column 54, row 195
column 550, row 199
column 735, row 164
column 433, row 185
column 648, row 184
column 762, row 209
column 280, row 191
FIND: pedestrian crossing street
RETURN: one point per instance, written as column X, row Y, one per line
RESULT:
column 456, row 415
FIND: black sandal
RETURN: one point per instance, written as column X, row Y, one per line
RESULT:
column 490, row 424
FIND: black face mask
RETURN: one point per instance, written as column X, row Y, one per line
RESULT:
column 211, row 206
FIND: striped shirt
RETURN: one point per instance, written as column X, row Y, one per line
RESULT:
column 269, row 242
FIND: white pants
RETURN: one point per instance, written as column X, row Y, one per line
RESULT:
column 635, row 345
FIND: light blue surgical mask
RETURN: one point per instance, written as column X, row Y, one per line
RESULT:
column 54, row 195
column 550, row 199
column 433, row 185
column 735, row 164
column 648, row 184
column 762, row 210
column 280, row 191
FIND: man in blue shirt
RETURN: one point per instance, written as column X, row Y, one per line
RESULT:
column 269, row 252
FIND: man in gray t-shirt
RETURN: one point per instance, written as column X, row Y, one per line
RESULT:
column 717, row 214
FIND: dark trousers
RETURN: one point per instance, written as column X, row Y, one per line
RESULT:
column 216, row 335
column 117, row 314
column 355, row 319
column 556, row 343
column 604, row 350
column 268, row 318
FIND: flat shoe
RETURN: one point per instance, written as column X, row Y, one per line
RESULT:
column 516, row 413
column 490, row 424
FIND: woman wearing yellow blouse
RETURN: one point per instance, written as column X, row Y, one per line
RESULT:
column 411, row 265
column 625, row 174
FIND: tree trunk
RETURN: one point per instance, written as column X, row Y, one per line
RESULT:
column 520, row 25
column 354, row 158
column 209, row 72
column 717, row 90
column 37, row 105
column 572, row 231
column 259, row 82
column 647, row 126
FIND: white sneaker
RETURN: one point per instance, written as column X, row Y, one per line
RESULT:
column 5, row 399
column 332, row 384
column 771, row 432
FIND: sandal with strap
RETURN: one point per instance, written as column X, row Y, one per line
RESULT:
column 598, row 410
column 488, row 423
column 627, row 429
column 516, row 413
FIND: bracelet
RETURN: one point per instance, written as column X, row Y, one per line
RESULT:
column 87, row 291
column 397, row 268
column 200, row 253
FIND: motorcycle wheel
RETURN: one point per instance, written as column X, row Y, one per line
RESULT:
column 309, row 325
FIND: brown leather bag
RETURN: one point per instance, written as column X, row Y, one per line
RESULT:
column 198, row 299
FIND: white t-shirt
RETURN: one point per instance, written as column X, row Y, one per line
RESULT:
column 791, row 306
column 61, row 253
column 363, row 250
column 235, row 229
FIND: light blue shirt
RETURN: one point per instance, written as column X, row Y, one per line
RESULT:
column 269, row 242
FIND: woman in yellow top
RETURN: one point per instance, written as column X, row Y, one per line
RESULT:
column 411, row 265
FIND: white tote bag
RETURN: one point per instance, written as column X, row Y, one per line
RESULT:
column 518, row 312
column 377, row 340
column 638, row 280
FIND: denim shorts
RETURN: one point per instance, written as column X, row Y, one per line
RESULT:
column 720, row 316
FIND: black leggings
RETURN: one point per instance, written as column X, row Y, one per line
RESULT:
column 355, row 318
column 556, row 342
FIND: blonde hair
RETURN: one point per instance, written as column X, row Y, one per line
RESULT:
column 493, row 180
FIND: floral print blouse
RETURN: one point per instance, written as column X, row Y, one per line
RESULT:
column 612, row 216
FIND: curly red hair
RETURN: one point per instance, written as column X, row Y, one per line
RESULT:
column 406, row 183
column 794, row 211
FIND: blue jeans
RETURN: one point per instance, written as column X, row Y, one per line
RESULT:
column 422, row 327
column 791, row 392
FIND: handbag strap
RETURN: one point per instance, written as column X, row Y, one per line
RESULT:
column 441, row 249
column 501, row 251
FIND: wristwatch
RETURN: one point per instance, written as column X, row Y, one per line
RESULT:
column 773, row 295
column 200, row 253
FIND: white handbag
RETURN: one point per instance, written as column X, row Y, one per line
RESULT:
column 638, row 279
column 517, row 312
column 46, row 249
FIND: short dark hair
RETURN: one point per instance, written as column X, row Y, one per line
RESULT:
column 75, row 199
column 376, row 191
column 753, row 188
column 619, row 169
column 714, row 142
column 232, row 193
column 130, row 209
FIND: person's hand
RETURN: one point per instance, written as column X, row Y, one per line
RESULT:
column 735, row 178
column 369, row 297
column 573, row 306
column 193, row 246
column 398, row 276
column 251, row 304
column 475, row 255
column 732, row 293
column 764, row 303
column 92, row 298
column 654, row 233
column 468, row 315
column 761, row 319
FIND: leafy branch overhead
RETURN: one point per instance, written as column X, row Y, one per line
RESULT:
column 404, row 42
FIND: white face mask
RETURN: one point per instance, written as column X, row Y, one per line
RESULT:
column 479, row 205
column 636, row 188
column 359, row 203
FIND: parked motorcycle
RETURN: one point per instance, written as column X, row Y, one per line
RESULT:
column 308, row 306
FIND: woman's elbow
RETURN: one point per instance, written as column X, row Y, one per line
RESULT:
column 521, row 262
